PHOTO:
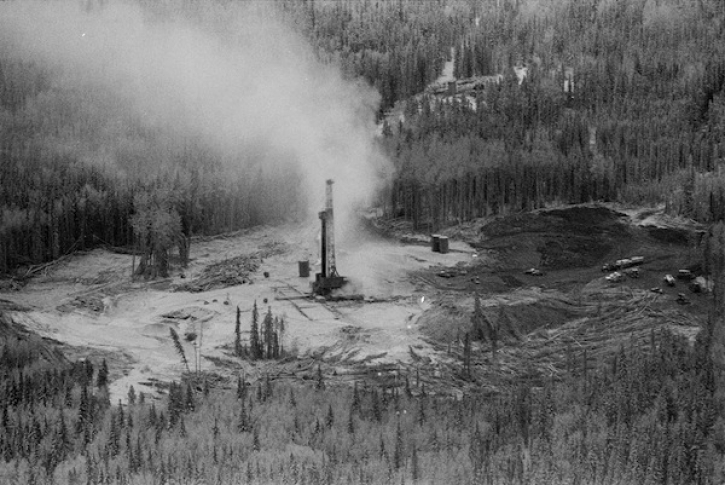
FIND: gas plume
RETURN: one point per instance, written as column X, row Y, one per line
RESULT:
column 229, row 75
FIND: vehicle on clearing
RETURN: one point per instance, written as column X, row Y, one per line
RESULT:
column 534, row 272
column 447, row 273
column 623, row 263
column 615, row 277
column 669, row 279
column 685, row 274
column 657, row 290
column 632, row 272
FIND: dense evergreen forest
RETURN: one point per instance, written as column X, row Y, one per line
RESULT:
column 623, row 101
column 648, row 415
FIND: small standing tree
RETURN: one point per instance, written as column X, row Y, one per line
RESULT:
column 268, row 334
column 479, row 322
column 179, row 348
column 494, row 331
column 467, row 355
column 238, row 334
column 255, row 346
column 484, row 329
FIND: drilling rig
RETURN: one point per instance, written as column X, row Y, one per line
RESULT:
column 327, row 279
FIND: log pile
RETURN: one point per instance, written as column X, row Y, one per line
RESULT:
column 231, row 272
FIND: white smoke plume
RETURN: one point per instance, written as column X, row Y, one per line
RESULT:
column 230, row 74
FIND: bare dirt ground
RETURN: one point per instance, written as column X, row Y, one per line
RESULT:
column 91, row 303
column 415, row 310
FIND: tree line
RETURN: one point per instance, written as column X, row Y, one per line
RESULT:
column 622, row 101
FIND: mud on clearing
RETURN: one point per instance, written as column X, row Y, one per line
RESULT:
column 407, row 329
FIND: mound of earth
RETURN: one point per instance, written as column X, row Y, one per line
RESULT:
column 518, row 314
column 670, row 235
column 555, row 239
column 24, row 341
column 158, row 329
column 191, row 313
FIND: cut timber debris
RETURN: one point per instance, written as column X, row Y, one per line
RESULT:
column 230, row 272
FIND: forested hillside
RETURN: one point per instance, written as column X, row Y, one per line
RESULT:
column 623, row 101
column 647, row 416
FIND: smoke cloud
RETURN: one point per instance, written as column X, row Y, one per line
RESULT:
column 231, row 76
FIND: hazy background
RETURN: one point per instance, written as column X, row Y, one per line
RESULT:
column 134, row 86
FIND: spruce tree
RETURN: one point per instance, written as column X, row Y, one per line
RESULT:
column 256, row 446
column 243, row 421
column 414, row 466
column 241, row 388
column 255, row 346
column 351, row 422
column 102, row 377
column 467, row 355
column 215, row 429
column 320, row 379
column 398, row 450
column 478, row 320
column 238, row 334
column 268, row 330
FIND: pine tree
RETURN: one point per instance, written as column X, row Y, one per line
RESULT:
column 467, row 355
column 215, row 429
column 330, row 420
column 398, row 450
column 351, row 422
column 179, row 348
column 478, row 320
column 256, row 446
column 267, row 387
column 102, row 377
column 238, row 334
column 243, row 424
column 182, row 427
column 241, row 388
column 152, row 415
column 414, row 466
column 189, row 403
column 255, row 346
column 113, row 443
column 494, row 330
column 376, row 408
column 320, row 379
column 355, row 405
column 268, row 330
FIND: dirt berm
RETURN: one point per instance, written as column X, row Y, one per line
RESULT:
column 555, row 239
column 516, row 314
column 24, row 343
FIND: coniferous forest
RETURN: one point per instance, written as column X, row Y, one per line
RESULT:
column 622, row 101
column 649, row 415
